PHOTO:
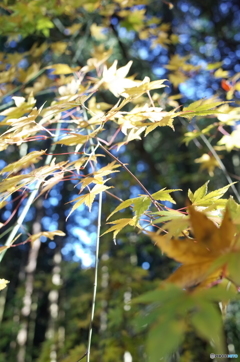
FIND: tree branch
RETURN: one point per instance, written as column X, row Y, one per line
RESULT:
column 155, row 203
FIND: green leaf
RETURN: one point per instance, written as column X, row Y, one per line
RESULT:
column 44, row 23
column 141, row 204
column 211, row 199
column 146, row 318
column 169, row 292
column 166, row 317
column 189, row 136
column 168, row 215
column 176, row 226
column 234, row 209
column 190, row 195
column 221, row 292
column 233, row 268
column 121, row 206
column 208, row 324
column 199, row 193
column 215, row 195
column 119, row 225
column 171, row 332
column 202, row 107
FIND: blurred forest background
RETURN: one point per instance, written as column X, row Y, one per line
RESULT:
column 195, row 45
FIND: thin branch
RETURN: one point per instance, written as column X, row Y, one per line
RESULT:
column 120, row 43
column 150, row 98
column 93, row 151
column 155, row 203
column 31, row 198
column 82, row 357
column 115, row 197
column 152, row 219
column 6, row 105
column 234, row 176
column 95, row 277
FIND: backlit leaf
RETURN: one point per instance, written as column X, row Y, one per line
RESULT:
column 202, row 198
column 207, row 314
column 62, row 69
column 47, row 234
column 119, row 225
column 163, row 195
column 202, row 107
column 141, row 204
column 143, row 87
column 207, row 162
column 88, row 198
column 24, row 162
column 3, row 283
column 212, row 66
column 199, row 254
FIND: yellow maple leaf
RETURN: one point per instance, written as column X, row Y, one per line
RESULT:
column 62, row 69
column 197, row 255
column 115, row 79
column 59, row 47
column 47, row 234
column 220, row 73
column 24, row 162
column 119, row 225
column 232, row 140
column 3, row 283
column 97, row 32
column 208, row 162
column 136, row 90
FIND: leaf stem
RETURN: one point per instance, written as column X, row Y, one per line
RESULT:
column 82, row 357
column 155, row 203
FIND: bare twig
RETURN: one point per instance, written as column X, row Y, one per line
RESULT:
column 82, row 357
column 115, row 197
column 155, row 203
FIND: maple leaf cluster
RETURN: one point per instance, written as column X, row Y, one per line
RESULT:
column 211, row 255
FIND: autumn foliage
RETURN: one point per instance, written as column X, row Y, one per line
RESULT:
column 72, row 124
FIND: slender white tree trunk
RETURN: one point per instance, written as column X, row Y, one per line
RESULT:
column 53, row 332
column 104, row 285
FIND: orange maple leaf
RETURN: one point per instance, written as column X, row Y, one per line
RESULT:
column 205, row 258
